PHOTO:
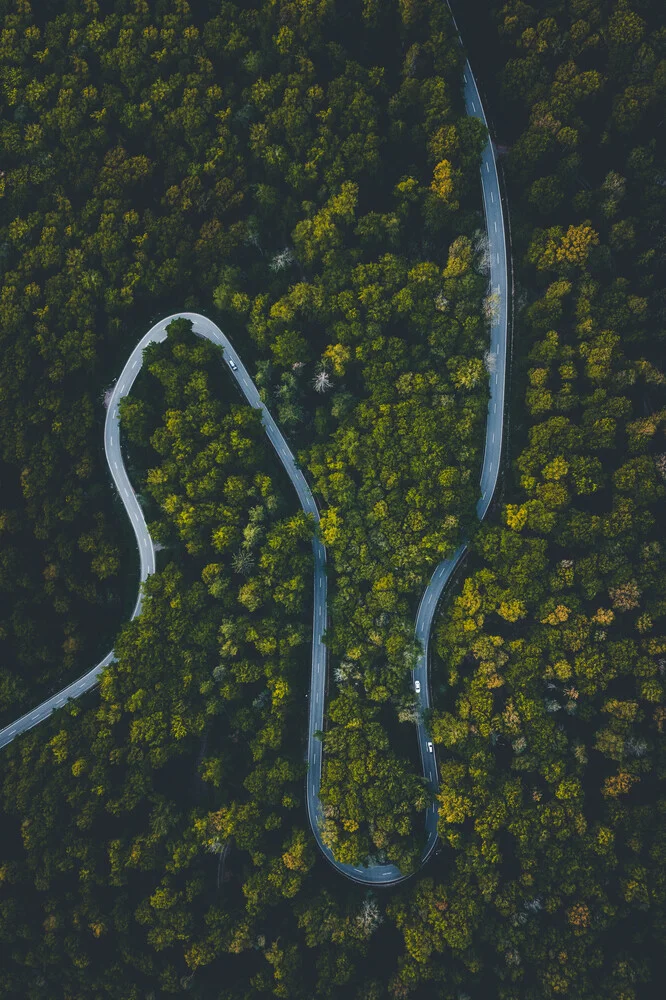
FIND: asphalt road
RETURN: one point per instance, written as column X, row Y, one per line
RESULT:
column 375, row 874
column 497, row 356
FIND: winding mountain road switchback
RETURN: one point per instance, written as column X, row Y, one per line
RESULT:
column 375, row 874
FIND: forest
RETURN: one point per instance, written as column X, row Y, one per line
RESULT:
column 305, row 174
column 288, row 206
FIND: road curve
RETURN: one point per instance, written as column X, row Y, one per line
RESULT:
column 374, row 874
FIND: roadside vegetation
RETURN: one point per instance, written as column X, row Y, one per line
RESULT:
column 550, row 721
column 266, row 167
column 304, row 173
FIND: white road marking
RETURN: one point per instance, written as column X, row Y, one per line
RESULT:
column 495, row 227
column 473, row 106
column 492, row 197
column 487, row 167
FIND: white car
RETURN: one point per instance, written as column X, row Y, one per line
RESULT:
column 232, row 364
column 430, row 749
column 417, row 687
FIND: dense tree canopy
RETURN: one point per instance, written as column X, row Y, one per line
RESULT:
column 553, row 656
column 305, row 169
column 262, row 162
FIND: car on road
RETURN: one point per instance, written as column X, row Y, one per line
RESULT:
column 232, row 364
column 430, row 749
column 417, row 687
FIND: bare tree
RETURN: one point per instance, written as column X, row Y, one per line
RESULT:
column 636, row 746
column 242, row 562
column 282, row 259
column 369, row 918
column 252, row 237
column 482, row 250
column 322, row 381
column 491, row 307
column 490, row 362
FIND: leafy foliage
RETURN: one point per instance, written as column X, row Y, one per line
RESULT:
column 154, row 840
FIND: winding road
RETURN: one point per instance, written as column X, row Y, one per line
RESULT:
column 203, row 327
